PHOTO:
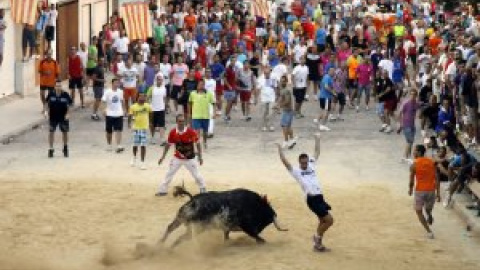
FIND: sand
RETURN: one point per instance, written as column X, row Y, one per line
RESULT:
column 93, row 211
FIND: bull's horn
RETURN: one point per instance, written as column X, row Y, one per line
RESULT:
column 279, row 228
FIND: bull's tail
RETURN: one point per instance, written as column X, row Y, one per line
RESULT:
column 181, row 191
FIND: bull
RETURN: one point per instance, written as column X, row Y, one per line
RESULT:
column 233, row 210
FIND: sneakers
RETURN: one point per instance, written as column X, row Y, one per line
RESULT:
column 272, row 129
column 315, row 120
column 264, row 129
column 133, row 162
column 65, row 151
column 95, row 117
column 292, row 143
column 161, row 194
column 227, row 119
column 285, row 145
column 388, row 129
column 332, row 118
column 248, row 118
column 50, row 153
column 142, row 165
column 367, row 108
column 340, row 118
column 323, row 128
column 382, row 129
column 109, row 148
column 119, row 149
column 357, row 108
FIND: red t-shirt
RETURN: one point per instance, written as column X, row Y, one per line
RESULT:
column 250, row 35
column 184, row 142
column 202, row 56
column 230, row 78
column 297, row 9
column 309, row 29
column 75, row 67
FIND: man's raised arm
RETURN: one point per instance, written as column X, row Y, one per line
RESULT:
column 316, row 152
column 283, row 158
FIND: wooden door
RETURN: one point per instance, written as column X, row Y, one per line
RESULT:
column 67, row 34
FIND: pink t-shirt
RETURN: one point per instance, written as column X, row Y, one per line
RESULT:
column 364, row 74
column 179, row 73
column 342, row 55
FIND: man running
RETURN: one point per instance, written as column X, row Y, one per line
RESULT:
column 58, row 103
column 423, row 177
column 306, row 176
column 184, row 139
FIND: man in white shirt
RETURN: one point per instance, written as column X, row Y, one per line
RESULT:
column 386, row 64
column 82, row 52
column 210, row 86
column 121, row 45
column 114, row 111
column 157, row 96
column 51, row 14
column 191, row 47
column 299, row 79
column 306, row 176
column 299, row 51
column 267, row 86
column 130, row 77
column 178, row 43
column 280, row 70
column 165, row 70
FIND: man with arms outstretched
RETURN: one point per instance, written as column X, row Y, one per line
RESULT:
column 306, row 176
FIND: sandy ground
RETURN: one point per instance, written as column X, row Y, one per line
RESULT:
column 93, row 211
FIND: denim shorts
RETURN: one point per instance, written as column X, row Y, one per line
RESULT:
column 363, row 89
column 287, row 119
column 140, row 137
column 409, row 133
column 380, row 109
column 229, row 95
column 201, row 124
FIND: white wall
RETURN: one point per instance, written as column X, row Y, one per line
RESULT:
column 7, row 70
column 99, row 17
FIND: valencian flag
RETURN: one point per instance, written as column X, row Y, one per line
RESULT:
column 137, row 19
column 24, row 11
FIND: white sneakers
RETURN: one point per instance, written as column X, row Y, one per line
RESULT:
column 386, row 128
column 141, row 164
column 133, row 162
column 323, row 128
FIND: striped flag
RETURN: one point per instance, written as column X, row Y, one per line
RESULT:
column 137, row 18
column 259, row 8
column 24, row 11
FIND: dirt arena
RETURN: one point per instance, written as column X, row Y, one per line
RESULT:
column 93, row 211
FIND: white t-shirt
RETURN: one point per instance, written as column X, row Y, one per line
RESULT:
column 179, row 42
column 307, row 179
column 158, row 98
column 84, row 57
column 210, row 85
column 165, row 71
column 129, row 77
column 121, row 44
column 387, row 64
column 279, row 71
column 419, row 34
column 115, row 35
column 52, row 17
column 114, row 101
column 300, row 76
column 145, row 51
column 298, row 52
column 140, row 68
column 191, row 47
column 267, row 88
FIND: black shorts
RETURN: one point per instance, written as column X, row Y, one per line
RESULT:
column 113, row 123
column 64, row 125
column 168, row 90
column 321, row 48
column 352, row 83
column 176, row 89
column 75, row 83
column 318, row 205
column 341, row 99
column 90, row 71
column 325, row 104
column 49, row 33
column 299, row 94
column 47, row 88
column 158, row 119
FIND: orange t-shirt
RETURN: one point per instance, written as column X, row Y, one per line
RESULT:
column 433, row 43
column 424, row 174
column 49, row 72
column 190, row 21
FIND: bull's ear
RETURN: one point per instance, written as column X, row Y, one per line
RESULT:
column 265, row 198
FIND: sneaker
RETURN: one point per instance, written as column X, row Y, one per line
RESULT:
column 109, row 148
column 409, row 161
column 264, row 129
column 285, row 145
column 152, row 141
column 447, row 201
column 203, row 190
column 219, row 113
column 50, row 153
column 340, row 118
column 430, row 235
column 143, row 166
column 323, row 128
column 133, row 162
column 315, row 120
column 357, row 108
column 272, row 129
column 210, row 135
column 65, row 151
column 332, row 118
column 307, row 97
column 292, row 143
column 161, row 194
column 388, row 129
column 367, row 108
column 163, row 143
column 227, row 119
column 95, row 117
column 424, row 133
column 120, row 149
column 248, row 118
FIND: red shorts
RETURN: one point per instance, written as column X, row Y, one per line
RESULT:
column 390, row 105
column 245, row 96
column 219, row 89
column 129, row 93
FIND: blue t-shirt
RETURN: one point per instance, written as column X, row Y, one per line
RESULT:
column 398, row 72
column 241, row 58
column 326, row 81
column 321, row 37
column 273, row 58
column 217, row 69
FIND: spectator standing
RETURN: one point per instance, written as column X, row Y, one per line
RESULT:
column 200, row 102
column 114, row 112
column 3, row 26
column 58, row 103
column 408, row 113
column 75, row 76
column 157, row 96
column 49, row 72
column 139, row 113
column 98, row 84
column 285, row 102
column 51, row 24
